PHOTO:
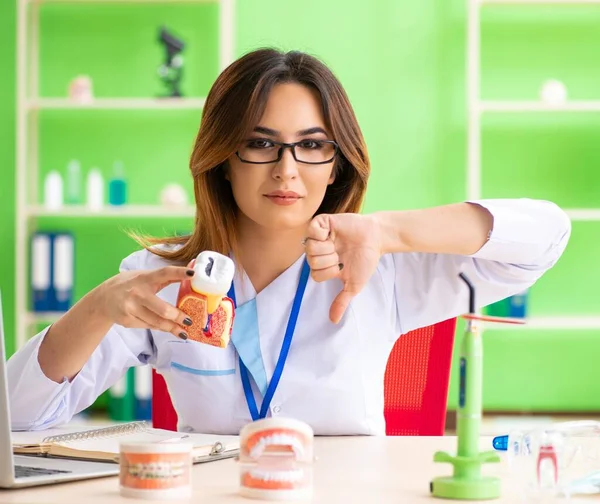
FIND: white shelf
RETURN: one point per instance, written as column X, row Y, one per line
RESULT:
column 538, row 106
column 583, row 214
column 113, row 211
column 559, row 323
column 537, row 2
column 117, row 1
column 42, row 317
column 118, row 103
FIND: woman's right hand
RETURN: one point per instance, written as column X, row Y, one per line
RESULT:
column 129, row 299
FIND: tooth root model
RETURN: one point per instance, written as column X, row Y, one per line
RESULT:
column 204, row 299
column 276, row 459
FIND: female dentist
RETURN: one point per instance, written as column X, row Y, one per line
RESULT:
column 280, row 169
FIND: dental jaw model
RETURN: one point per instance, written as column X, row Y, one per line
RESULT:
column 276, row 456
column 204, row 299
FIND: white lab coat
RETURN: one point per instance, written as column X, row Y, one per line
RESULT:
column 333, row 378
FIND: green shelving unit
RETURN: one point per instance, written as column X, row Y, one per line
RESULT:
column 521, row 144
column 116, row 44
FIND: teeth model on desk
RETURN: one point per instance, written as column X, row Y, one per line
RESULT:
column 155, row 471
column 276, row 457
column 204, row 299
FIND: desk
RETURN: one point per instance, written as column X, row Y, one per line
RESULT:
column 358, row 470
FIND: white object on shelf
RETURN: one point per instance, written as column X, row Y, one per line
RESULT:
column 173, row 195
column 553, row 92
column 53, row 190
column 80, row 89
column 95, row 190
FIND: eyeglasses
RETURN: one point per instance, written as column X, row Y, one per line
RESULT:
column 263, row 151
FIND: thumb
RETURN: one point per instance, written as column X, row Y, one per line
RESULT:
column 340, row 304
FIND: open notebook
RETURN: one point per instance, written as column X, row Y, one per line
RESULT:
column 103, row 444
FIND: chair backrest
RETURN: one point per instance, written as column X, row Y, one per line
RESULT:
column 164, row 415
column 416, row 384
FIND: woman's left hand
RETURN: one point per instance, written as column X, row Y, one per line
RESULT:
column 345, row 246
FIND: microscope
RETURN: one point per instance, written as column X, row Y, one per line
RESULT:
column 171, row 70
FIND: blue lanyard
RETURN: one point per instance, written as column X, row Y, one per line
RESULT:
column 285, row 348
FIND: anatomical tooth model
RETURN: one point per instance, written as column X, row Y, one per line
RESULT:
column 204, row 299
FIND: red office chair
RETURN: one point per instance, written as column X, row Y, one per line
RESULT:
column 416, row 384
column 164, row 415
column 416, row 381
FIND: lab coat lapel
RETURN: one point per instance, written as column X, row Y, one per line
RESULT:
column 245, row 337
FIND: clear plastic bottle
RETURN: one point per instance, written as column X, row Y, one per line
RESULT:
column 73, row 184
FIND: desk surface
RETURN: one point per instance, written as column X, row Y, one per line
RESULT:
column 348, row 469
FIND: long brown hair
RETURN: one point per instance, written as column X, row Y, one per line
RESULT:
column 233, row 107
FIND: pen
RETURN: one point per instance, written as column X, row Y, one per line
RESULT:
column 174, row 439
column 500, row 443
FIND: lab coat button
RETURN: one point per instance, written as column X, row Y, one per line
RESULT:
column 276, row 409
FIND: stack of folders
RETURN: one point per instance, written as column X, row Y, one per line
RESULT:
column 131, row 397
column 52, row 277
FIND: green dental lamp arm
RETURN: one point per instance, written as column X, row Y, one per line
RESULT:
column 467, row 483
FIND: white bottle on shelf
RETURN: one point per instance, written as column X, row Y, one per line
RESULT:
column 95, row 190
column 53, row 191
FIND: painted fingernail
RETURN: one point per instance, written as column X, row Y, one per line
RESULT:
column 183, row 336
column 190, row 272
column 341, row 266
column 187, row 321
column 304, row 241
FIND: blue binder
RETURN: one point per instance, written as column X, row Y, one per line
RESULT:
column 41, row 272
column 143, row 392
column 52, row 271
column 63, row 252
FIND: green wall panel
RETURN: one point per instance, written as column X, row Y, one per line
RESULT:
column 571, row 288
column 531, row 370
column 550, row 155
column 522, row 46
column 7, row 167
column 117, row 46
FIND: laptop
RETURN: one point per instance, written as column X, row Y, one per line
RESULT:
column 28, row 471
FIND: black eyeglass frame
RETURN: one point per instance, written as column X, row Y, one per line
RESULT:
column 292, row 147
